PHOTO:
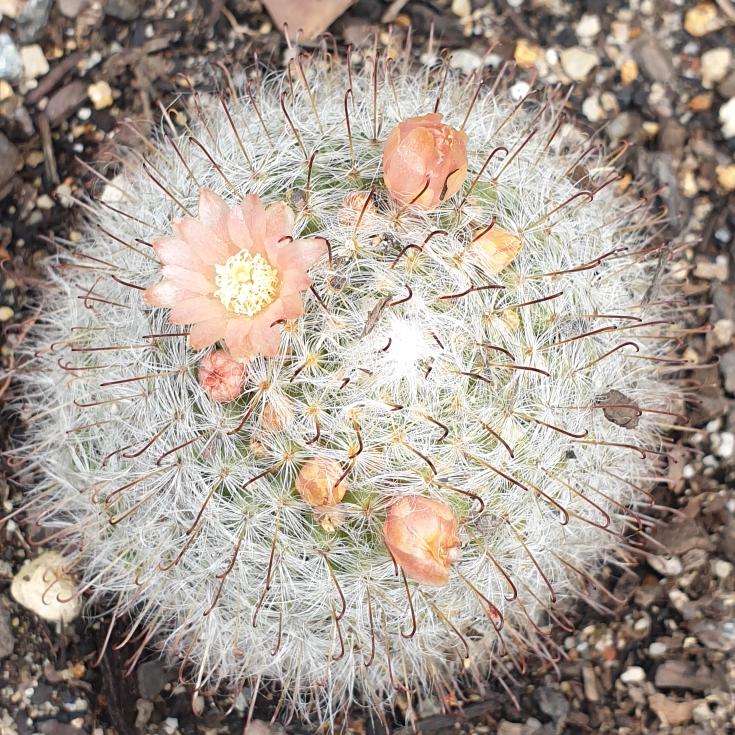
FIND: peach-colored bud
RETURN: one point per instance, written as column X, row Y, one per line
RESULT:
column 353, row 205
column 420, row 150
column 277, row 418
column 317, row 483
column 422, row 536
column 498, row 248
column 221, row 377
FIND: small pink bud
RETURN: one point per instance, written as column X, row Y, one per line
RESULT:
column 424, row 161
column 422, row 536
column 498, row 248
column 221, row 377
column 317, row 483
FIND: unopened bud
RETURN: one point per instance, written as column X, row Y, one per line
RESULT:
column 317, row 483
column 221, row 377
column 498, row 248
column 422, row 536
column 424, row 161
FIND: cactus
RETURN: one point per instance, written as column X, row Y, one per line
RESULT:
column 432, row 448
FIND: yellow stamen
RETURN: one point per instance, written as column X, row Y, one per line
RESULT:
column 247, row 284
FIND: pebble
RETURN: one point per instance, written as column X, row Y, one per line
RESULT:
column 722, row 569
column 657, row 649
column 519, row 90
column 123, row 9
column 667, row 567
column 32, row 582
column 724, row 444
column 722, row 333
column 577, row 62
column 633, row 675
column 32, row 20
column 11, row 63
column 727, row 118
column 9, row 160
column 100, row 94
column 587, row 29
column 700, row 102
column 63, row 102
column 461, row 8
column 170, row 725
column 465, row 60
column 7, row 641
column 6, row 314
column 701, row 714
column 591, row 109
column 34, row 62
column 714, row 66
column 526, row 54
column 654, row 61
column 71, row 8
column 670, row 712
column 726, row 177
column 628, row 72
column 45, row 202
column 709, row 271
column 701, row 20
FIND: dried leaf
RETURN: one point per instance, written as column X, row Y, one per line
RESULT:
column 373, row 316
column 617, row 413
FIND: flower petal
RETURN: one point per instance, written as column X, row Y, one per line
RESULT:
column 198, row 309
column 293, row 281
column 203, row 241
column 166, row 294
column 188, row 280
column 205, row 334
column 265, row 335
column 293, row 306
column 171, row 251
column 301, row 254
column 279, row 220
column 236, row 337
column 247, row 225
column 214, row 213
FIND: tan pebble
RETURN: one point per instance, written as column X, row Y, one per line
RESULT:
column 6, row 91
column 688, row 185
column 526, row 54
column 701, row 102
column 101, row 95
column 628, row 73
column 726, row 177
column 462, row 8
column 6, row 313
column 702, row 19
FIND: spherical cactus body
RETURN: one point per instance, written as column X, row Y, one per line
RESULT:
column 338, row 415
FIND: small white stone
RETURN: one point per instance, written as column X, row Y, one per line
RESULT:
column 722, row 332
column 591, row 109
column 689, row 471
column 714, row 65
column 84, row 113
column 34, row 61
column 552, row 58
column 588, row 27
column 34, row 588
column 711, row 461
column 702, row 714
column 461, row 8
column 678, row 599
column 633, row 675
column 465, row 60
column 100, row 94
column 727, row 118
column 657, row 649
column 668, row 567
column 714, row 425
column 717, row 271
column 519, row 90
column 722, row 569
column 577, row 63
column 45, row 202
column 726, row 445
column 170, row 725
column 6, row 313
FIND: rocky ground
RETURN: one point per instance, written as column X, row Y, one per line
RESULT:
column 660, row 655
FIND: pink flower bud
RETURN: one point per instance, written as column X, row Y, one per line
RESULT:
column 424, row 161
column 498, row 248
column 221, row 377
column 422, row 536
column 317, row 483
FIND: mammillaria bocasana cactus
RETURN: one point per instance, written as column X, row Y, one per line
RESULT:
column 349, row 415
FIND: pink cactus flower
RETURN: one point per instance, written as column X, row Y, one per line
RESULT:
column 221, row 377
column 424, row 161
column 422, row 536
column 234, row 274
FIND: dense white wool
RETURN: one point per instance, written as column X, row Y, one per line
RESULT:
column 153, row 497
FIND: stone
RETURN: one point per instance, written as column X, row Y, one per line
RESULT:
column 713, row 271
column 654, row 61
column 7, row 641
column 722, row 333
column 462, row 8
column 589, row 680
column 513, row 728
column 714, row 65
column 727, row 370
column 633, row 675
column 701, row 714
column 526, row 54
column 9, row 160
column 726, row 177
column 588, row 27
column 577, row 62
column 666, row 567
column 152, row 677
column 32, row 20
column 628, row 72
column 144, row 708
column 702, row 19
column 727, row 118
column 657, row 649
column 726, row 88
column 553, row 703
column 11, row 63
column 591, row 109
column 682, row 675
column 722, row 569
column 71, row 8
column 65, row 101
column 123, row 9
column 6, row 314
column 100, row 94
column 257, row 727
column 34, row 62
column 724, row 445
column 717, row 636
column 34, row 588
column 465, row 60
column 670, row 712
column 54, row 727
